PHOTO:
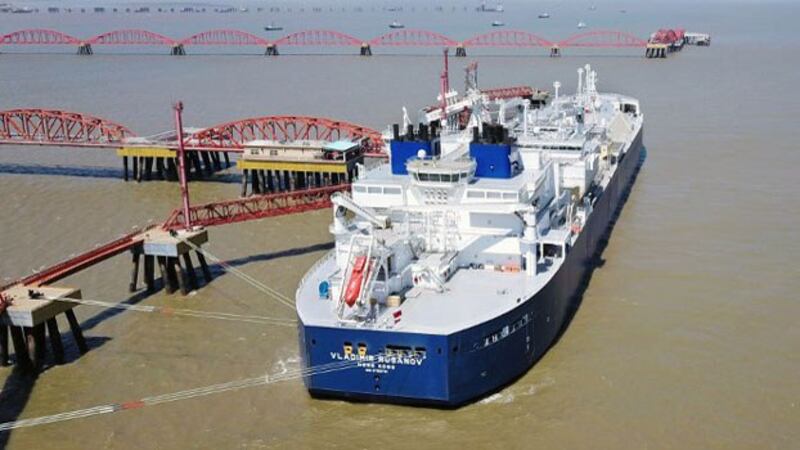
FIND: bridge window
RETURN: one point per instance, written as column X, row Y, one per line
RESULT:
column 476, row 194
column 374, row 190
column 360, row 189
column 392, row 190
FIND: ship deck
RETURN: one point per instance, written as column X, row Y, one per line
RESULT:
column 472, row 296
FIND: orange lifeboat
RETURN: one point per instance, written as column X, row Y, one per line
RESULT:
column 353, row 290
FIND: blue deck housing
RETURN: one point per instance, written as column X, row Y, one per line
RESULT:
column 493, row 160
column 402, row 151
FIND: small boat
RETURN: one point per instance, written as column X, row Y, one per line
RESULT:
column 396, row 24
column 581, row 25
column 273, row 27
column 593, row 8
column 498, row 23
column 544, row 16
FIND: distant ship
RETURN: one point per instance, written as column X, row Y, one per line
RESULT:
column 544, row 16
column 273, row 27
column 498, row 23
column 484, row 8
column 581, row 25
column 396, row 24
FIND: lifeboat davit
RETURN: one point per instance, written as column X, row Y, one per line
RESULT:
column 353, row 290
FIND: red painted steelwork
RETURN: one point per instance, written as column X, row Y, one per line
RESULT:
column 182, row 162
column 603, row 39
column 82, row 261
column 224, row 38
column 507, row 38
column 233, row 135
column 327, row 38
column 131, row 37
column 667, row 36
column 53, row 127
column 38, row 36
column 508, row 92
column 319, row 38
column 71, row 129
column 413, row 38
column 253, row 208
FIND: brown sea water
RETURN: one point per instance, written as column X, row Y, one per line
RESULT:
column 686, row 337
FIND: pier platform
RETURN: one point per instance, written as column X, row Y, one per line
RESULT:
column 166, row 249
column 30, row 315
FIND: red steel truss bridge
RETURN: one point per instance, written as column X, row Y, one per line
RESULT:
column 324, row 38
column 49, row 127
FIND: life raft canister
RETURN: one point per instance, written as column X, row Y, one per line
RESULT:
column 353, row 290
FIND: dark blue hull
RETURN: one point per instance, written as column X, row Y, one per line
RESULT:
column 450, row 370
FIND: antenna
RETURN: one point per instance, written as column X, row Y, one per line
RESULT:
column 556, row 87
column 445, row 85
column 471, row 77
column 182, row 164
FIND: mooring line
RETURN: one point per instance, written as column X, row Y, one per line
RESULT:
column 180, row 395
column 283, row 299
column 167, row 311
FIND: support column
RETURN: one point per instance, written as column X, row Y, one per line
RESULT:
column 216, row 160
column 148, row 169
column 21, row 349
column 35, row 340
column 180, row 274
column 198, row 167
column 85, row 49
column 55, row 340
column 366, row 50
column 255, row 186
column 207, row 163
column 172, row 173
column 227, row 159
column 244, row 183
column 3, row 345
column 270, row 181
column 149, row 272
column 189, row 267
column 178, row 50
column 168, row 273
column 160, row 168
column 134, row 270
column 77, row 334
column 125, row 168
column 136, row 168
column 204, row 266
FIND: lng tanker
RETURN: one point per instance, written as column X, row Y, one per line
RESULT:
column 457, row 264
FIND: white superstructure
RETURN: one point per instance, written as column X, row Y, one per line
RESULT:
column 483, row 218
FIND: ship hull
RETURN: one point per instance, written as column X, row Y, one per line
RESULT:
column 451, row 370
